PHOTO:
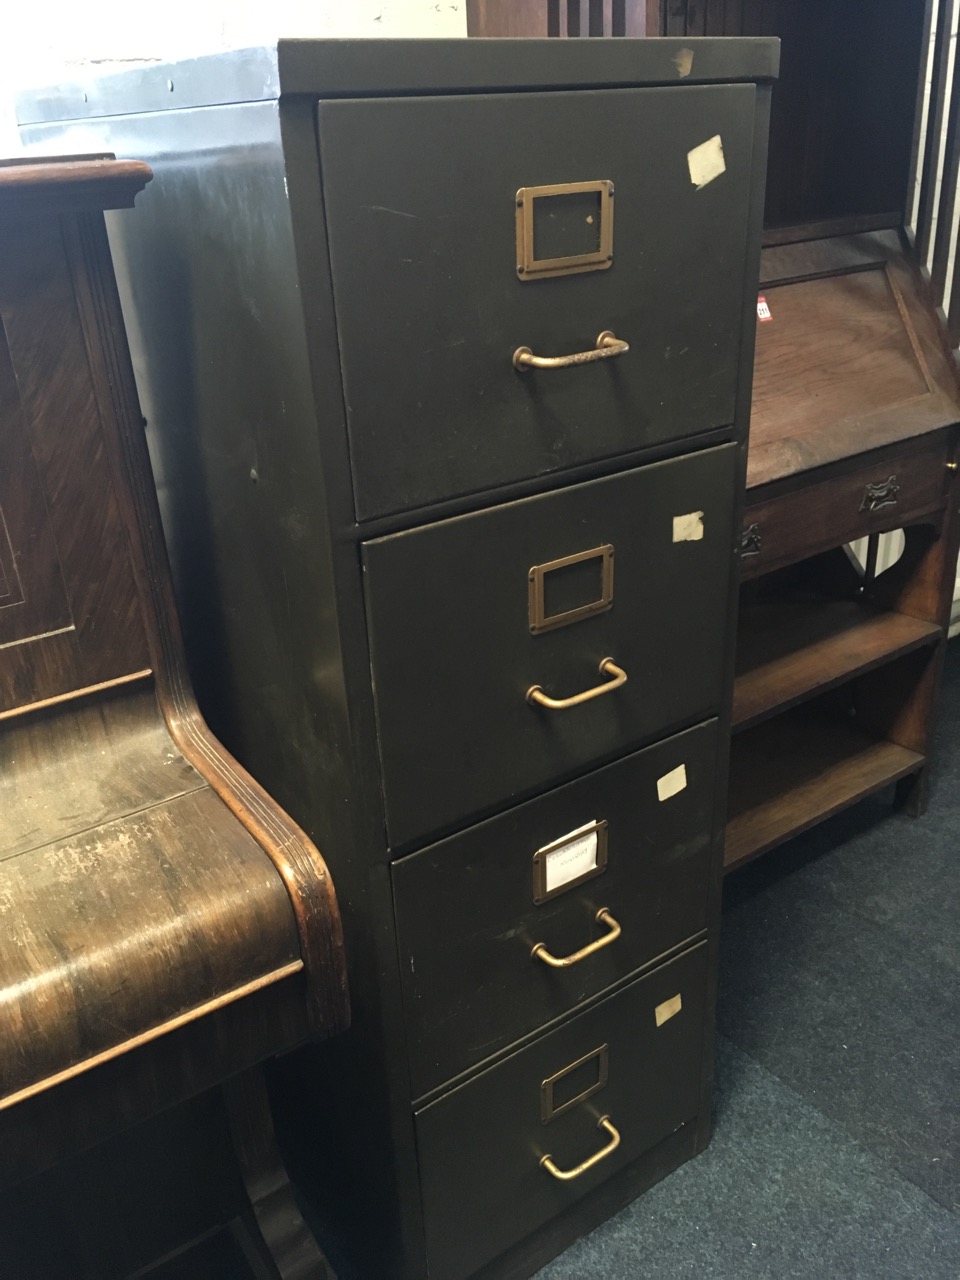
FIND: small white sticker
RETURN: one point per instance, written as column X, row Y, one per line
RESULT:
column 706, row 162
column 688, row 528
column 683, row 61
column 573, row 859
column 669, row 1009
column 763, row 309
column 672, row 782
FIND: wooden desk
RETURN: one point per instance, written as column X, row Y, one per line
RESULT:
column 853, row 434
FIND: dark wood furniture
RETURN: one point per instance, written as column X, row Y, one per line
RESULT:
column 448, row 599
column 166, row 926
column 856, row 401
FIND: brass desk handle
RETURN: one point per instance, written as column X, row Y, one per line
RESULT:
column 607, row 667
column 567, row 1175
column 603, row 916
column 608, row 344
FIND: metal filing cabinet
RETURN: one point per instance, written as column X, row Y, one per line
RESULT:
column 445, row 353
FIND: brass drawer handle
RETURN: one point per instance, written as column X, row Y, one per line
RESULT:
column 567, row 1175
column 607, row 667
column 603, row 916
column 608, row 344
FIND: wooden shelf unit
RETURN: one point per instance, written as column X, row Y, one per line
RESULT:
column 792, row 772
column 855, row 408
column 793, row 647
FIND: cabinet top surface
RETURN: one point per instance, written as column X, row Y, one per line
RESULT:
column 359, row 68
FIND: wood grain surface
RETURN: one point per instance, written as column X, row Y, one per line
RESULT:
column 146, row 882
column 852, row 359
column 69, row 184
column 800, row 644
column 792, row 772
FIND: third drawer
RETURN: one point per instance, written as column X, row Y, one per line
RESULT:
column 471, row 909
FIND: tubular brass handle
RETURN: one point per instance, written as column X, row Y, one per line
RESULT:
column 607, row 667
column 567, row 1175
column 607, row 345
column 603, row 916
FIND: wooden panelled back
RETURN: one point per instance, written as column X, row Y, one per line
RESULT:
column 562, row 17
column 70, row 618
column 936, row 171
column 843, row 109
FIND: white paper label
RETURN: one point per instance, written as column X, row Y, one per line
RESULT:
column 669, row 1009
column 706, row 162
column 683, row 61
column 688, row 528
column 672, row 782
column 573, row 859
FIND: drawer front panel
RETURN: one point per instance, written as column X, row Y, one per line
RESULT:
column 481, row 1144
column 841, row 507
column 430, row 306
column 468, row 918
column 450, row 611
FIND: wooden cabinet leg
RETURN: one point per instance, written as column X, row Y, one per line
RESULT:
column 276, row 1232
column 912, row 793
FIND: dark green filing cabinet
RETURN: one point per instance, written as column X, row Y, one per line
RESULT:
column 445, row 352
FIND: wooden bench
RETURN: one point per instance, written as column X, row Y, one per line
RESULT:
column 165, row 926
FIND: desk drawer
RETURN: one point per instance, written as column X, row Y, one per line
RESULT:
column 481, row 1145
column 471, row 909
column 466, row 616
column 431, row 308
column 842, row 504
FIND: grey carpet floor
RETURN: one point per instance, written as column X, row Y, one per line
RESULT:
column 836, row 1151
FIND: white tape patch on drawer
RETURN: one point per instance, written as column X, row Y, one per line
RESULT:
column 671, row 783
column 688, row 528
column 664, row 1012
column 706, row 162
column 683, row 61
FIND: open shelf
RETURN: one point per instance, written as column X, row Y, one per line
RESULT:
column 792, row 772
column 793, row 647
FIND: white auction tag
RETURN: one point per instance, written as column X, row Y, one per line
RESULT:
column 689, row 527
column 672, row 782
column 706, row 162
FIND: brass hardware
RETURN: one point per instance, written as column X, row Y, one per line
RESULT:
column 540, row 891
column 540, row 620
column 607, row 345
column 603, row 916
column 952, row 466
column 878, row 496
column 567, row 1175
column 529, row 266
column 750, row 541
column 607, row 667
column 550, row 1112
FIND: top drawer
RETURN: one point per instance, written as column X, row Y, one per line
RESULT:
column 423, row 223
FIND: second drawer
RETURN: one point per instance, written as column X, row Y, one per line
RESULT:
column 471, row 909
column 507, row 655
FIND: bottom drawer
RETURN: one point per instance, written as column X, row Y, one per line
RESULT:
column 634, row 1058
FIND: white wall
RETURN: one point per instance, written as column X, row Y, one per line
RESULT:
column 37, row 39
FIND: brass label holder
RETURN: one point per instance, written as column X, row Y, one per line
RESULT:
column 529, row 266
column 548, row 1111
column 541, row 893
column 540, row 620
